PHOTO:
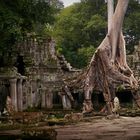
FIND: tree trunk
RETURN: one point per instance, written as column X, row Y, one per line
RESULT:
column 108, row 68
column 110, row 8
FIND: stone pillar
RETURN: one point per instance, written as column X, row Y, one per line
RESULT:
column 43, row 96
column 20, row 95
column 38, row 100
column 33, row 99
column 64, row 102
column 68, row 102
column 13, row 93
column 28, row 93
column 49, row 100
column 33, row 93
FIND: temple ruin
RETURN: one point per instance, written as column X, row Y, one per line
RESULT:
column 38, row 78
column 134, row 61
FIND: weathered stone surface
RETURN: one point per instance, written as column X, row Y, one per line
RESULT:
column 134, row 61
column 44, row 70
column 44, row 74
column 124, row 128
column 28, row 134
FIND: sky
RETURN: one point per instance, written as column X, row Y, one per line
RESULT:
column 69, row 2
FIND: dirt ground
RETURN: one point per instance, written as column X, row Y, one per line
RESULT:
column 124, row 128
column 94, row 128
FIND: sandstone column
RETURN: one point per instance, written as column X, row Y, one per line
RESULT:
column 20, row 95
column 68, row 102
column 13, row 93
column 43, row 96
column 64, row 102
column 49, row 100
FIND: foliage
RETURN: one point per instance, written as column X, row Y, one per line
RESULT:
column 84, row 55
column 19, row 17
column 79, row 27
column 85, row 24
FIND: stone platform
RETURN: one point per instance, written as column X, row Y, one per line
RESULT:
column 124, row 128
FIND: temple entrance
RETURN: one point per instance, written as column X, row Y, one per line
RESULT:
column 126, row 98
column 98, row 101
column 57, row 101
column 20, row 65
column 79, row 99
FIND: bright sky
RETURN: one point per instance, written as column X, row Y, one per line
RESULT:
column 69, row 2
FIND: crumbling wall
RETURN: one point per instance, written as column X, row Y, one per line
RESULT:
column 134, row 61
column 44, row 71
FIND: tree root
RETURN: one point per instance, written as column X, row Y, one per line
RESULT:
column 108, row 68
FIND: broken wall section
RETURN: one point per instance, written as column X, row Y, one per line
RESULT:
column 44, row 86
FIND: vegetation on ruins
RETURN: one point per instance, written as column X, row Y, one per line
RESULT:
column 78, row 30
column 20, row 17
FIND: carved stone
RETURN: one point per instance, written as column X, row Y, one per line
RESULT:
column 13, row 89
column 19, row 95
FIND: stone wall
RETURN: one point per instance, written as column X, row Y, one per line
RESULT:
column 42, row 70
column 38, row 78
column 14, row 83
column 134, row 61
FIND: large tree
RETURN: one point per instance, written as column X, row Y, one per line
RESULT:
column 108, row 68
